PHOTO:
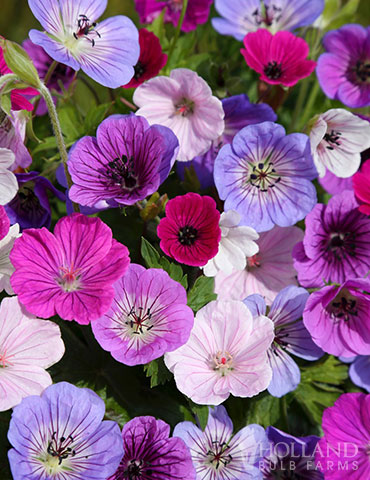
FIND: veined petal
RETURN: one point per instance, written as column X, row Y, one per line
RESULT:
column 8, row 186
column 72, row 10
column 285, row 373
column 47, row 13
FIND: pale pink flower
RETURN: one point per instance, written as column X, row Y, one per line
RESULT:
column 225, row 354
column 267, row 272
column 28, row 346
column 183, row 102
column 6, row 267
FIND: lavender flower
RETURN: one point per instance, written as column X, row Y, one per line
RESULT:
column 12, row 135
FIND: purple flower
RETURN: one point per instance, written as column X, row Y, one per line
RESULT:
column 61, row 435
column 242, row 16
column 12, row 135
column 265, row 176
column 127, row 161
column 290, row 457
column 336, row 243
column 333, row 184
column 291, row 336
column 359, row 372
column 150, row 453
column 239, row 112
column 42, row 61
column 107, row 52
column 344, row 71
column 217, row 454
column 147, row 318
column 30, row 208
column 337, row 318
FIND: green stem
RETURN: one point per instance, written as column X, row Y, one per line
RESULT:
column 310, row 102
column 48, row 75
column 8, row 77
column 178, row 29
column 299, row 105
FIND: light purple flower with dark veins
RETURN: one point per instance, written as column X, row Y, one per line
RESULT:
column 147, row 318
column 359, row 372
column 151, row 455
column 239, row 112
column 218, row 454
column 127, row 161
column 336, row 243
column 107, row 52
column 265, row 176
column 62, row 435
column 12, row 135
column 291, row 337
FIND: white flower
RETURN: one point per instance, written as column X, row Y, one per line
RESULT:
column 237, row 243
column 8, row 181
column 6, row 268
column 337, row 139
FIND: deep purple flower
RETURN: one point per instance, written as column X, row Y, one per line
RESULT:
column 265, row 176
column 359, row 372
column 291, row 336
column 239, row 112
column 290, row 457
column 151, row 455
column 61, row 435
column 30, row 208
column 42, row 61
column 337, row 317
column 127, row 161
column 336, row 243
column 106, row 52
column 344, row 71
column 217, row 454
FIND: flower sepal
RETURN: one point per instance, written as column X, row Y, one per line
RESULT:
column 20, row 63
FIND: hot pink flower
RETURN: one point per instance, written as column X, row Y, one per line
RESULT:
column 279, row 58
column 190, row 232
column 27, row 346
column 361, row 185
column 267, row 272
column 70, row 273
column 226, row 353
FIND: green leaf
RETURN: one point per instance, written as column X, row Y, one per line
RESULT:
column 113, row 410
column 49, row 143
column 94, row 117
column 6, row 104
column 158, row 372
column 70, row 121
column 150, row 254
column 157, row 27
column 201, row 293
column 200, row 413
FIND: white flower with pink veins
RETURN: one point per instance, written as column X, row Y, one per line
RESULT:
column 8, row 181
column 183, row 102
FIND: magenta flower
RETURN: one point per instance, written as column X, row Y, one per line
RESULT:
column 197, row 12
column 279, row 58
column 361, row 185
column 147, row 318
column 335, row 247
column 69, row 273
column 226, row 353
column 28, row 346
column 337, row 318
column 190, row 232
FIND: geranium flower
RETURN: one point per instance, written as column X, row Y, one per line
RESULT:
column 267, row 272
column 150, row 453
column 147, row 318
column 183, row 102
column 27, row 347
column 197, row 12
column 226, row 353
column 236, row 244
column 127, row 161
column 346, row 438
column 359, row 371
column 291, row 337
column 361, row 185
column 333, row 184
column 337, row 139
column 151, row 59
column 61, row 435
column 12, row 135
column 335, row 244
column 106, row 52
column 242, row 16
column 280, row 59
column 217, row 454
column 70, row 273
column 190, row 231
column 337, row 318
column 8, row 181
column 265, row 176
column 343, row 72
column 7, row 236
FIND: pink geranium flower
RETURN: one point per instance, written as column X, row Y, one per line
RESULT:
column 226, row 353
column 267, row 272
column 361, row 185
column 70, row 273
column 190, row 232
column 28, row 346
column 279, row 58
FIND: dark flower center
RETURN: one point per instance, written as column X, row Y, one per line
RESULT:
column 61, row 447
column 26, row 203
column 273, row 70
column 343, row 307
column 263, row 176
column 85, row 28
column 267, row 14
column 362, row 70
column 332, row 139
column 184, row 107
column 218, row 456
column 138, row 322
column 187, row 235
column 139, row 70
column 122, row 173
column 342, row 244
